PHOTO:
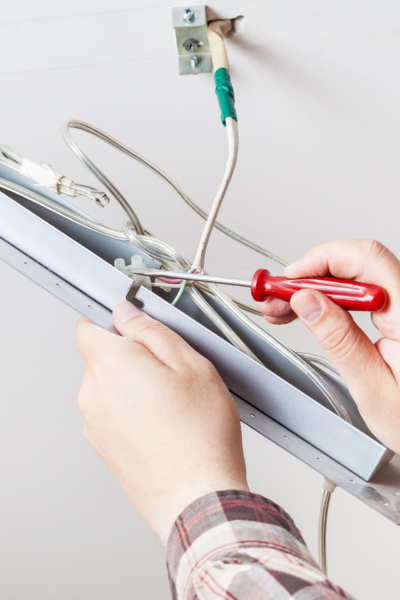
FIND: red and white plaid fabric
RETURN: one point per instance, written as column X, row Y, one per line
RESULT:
column 240, row 546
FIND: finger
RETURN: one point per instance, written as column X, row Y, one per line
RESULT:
column 277, row 312
column 347, row 346
column 363, row 260
column 90, row 337
column 161, row 341
column 106, row 352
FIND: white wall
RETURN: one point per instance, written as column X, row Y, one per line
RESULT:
column 318, row 96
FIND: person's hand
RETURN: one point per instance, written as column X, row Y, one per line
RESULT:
column 371, row 371
column 159, row 415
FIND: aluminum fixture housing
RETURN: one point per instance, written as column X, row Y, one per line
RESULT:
column 76, row 265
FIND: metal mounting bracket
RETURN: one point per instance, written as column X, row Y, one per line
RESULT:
column 190, row 24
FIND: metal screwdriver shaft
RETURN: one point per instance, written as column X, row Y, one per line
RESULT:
column 192, row 277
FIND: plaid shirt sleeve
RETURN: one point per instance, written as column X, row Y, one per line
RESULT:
column 237, row 545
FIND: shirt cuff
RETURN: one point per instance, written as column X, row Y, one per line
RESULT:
column 224, row 521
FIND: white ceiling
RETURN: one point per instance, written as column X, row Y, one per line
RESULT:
column 318, row 95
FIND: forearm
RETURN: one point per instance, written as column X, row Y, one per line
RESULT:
column 239, row 545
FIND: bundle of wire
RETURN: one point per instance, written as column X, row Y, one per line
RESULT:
column 134, row 232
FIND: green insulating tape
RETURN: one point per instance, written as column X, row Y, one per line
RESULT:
column 225, row 95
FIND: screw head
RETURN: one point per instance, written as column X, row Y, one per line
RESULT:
column 188, row 15
column 191, row 45
column 194, row 61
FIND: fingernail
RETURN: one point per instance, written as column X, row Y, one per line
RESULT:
column 124, row 311
column 309, row 309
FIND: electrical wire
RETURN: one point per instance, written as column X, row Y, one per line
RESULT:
column 157, row 171
column 329, row 488
column 283, row 350
column 182, row 289
column 96, row 171
column 320, row 361
column 233, row 145
column 168, row 256
column 46, row 177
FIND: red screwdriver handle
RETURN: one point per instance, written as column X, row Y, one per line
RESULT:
column 353, row 295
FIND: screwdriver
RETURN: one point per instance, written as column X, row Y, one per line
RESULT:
column 350, row 294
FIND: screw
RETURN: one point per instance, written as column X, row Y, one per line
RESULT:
column 191, row 45
column 188, row 15
column 194, row 61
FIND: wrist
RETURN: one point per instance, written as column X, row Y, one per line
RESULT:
column 165, row 513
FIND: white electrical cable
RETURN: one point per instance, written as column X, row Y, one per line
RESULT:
column 329, row 488
column 233, row 145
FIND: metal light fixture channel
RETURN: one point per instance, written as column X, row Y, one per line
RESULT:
column 76, row 265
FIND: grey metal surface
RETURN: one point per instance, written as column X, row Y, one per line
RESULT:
column 199, row 19
column 194, row 29
column 279, row 388
column 203, row 65
column 275, row 362
column 57, row 286
column 61, row 254
column 274, row 396
column 382, row 493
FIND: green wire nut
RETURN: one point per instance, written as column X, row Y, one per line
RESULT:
column 225, row 95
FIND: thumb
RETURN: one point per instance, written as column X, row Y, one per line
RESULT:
column 347, row 346
column 158, row 339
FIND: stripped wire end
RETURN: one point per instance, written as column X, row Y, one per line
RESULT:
column 96, row 195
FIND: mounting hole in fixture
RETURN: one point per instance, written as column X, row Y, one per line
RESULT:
column 25, row 263
column 254, row 416
column 318, row 458
column 89, row 306
column 285, row 437
column 58, row 285
column 351, row 480
column 137, row 302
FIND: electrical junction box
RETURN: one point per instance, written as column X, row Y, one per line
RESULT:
column 276, row 399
